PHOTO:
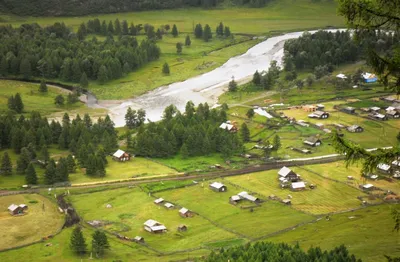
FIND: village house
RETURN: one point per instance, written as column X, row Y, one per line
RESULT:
column 367, row 187
column 138, row 239
column 385, row 168
column 158, row 201
column 245, row 195
column 234, row 199
column 182, row 228
column 377, row 116
column 153, row 226
column 218, row 187
column 312, row 141
column 287, row 174
column 169, row 205
column 355, row 129
column 393, row 114
column 228, row 126
column 319, row 115
column 349, row 110
column 298, row 186
column 184, row 212
column 17, row 210
column 287, row 201
column 121, row 156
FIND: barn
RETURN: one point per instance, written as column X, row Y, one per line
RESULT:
column 121, row 156
column 16, row 210
column 218, row 187
column 184, row 212
column 287, row 174
column 312, row 141
column 298, row 186
column 153, row 226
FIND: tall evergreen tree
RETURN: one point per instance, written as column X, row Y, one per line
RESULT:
column 6, row 165
column 245, row 133
column 50, row 173
column 227, row 31
column 117, row 27
column 71, row 164
column 59, row 100
column 43, row 87
column 125, row 29
column 84, row 81
column 23, row 160
column 30, row 175
column 198, row 31
column 77, row 241
column 102, row 75
column 25, row 68
column 165, row 69
column 99, row 243
column 188, row 42
column 179, row 48
column 220, row 29
column 207, row 35
column 19, row 105
column 44, row 154
column 277, row 142
column 250, row 113
column 232, row 86
column 174, row 31
column 257, row 78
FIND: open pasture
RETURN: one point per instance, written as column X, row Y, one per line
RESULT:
column 41, row 220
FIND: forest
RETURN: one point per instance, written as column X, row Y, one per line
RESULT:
column 194, row 133
column 331, row 49
column 56, row 52
column 84, row 7
column 266, row 251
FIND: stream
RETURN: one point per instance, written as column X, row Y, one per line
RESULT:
column 203, row 88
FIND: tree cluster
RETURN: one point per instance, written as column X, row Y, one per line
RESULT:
column 194, row 133
column 56, row 52
column 267, row 251
column 267, row 80
column 15, row 103
column 99, row 242
column 134, row 118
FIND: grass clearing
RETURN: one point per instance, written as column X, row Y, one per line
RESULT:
column 329, row 196
column 42, row 219
column 367, row 233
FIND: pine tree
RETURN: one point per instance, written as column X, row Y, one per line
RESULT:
column 43, row 87
column 59, row 100
column 117, row 27
column 4, row 67
column 232, row 87
column 179, row 48
column 277, row 142
column 23, row 160
column 99, row 243
column 174, row 31
column 198, row 31
column 19, row 105
column 184, row 151
column 250, row 113
column 257, row 78
column 125, row 29
column 77, row 241
column 71, row 164
column 207, row 35
column 245, row 133
column 188, row 42
column 6, row 165
column 165, row 69
column 11, row 103
column 227, row 31
column 44, row 154
column 82, row 32
column 130, row 118
column 30, row 175
column 25, row 68
column 84, row 81
column 110, row 28
column 220, row 29
column 50, row 173
column 102, row 75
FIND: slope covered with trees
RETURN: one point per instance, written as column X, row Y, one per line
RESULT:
column 84, row 7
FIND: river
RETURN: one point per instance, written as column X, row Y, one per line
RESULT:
column 206, row 87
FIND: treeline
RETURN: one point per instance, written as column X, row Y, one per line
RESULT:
column 57, row 52
column 84, row 7
column 332, row 48
column 89, row 143
column 194, row 133
column 271, row 252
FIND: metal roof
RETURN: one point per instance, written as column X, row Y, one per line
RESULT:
column 217, row 185
column 284, row 171
column 151, row 223
column 169, row 205
column 183, row 210
column 119, row 153
column 298, row 185
column 13, row 207
column 159, row 200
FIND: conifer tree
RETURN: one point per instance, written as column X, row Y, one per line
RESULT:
column 174, row 31
column 220, row 29
column 23, row 160
column 207, row 35
column 245, row 133
column 99, row 243
column 117, row 26
column 11, row 103
column 232, row 87
column 257, row 78
column 198, row 31
column 165, row 69
column 19, row 105
column 71, row 164
column 188, row 42
column 84, row 81
column 184, row 151
column 179, row 48
column 110, row 28
column 6, row 165
column 59, row 100
column 227, row 31
column 277, row 142
column 44, row 154
column 25, row 68
column 77, row 241
column 30, row 175
column 102, row 75
column 43, row 87
column 250, row 113
column 50, row 173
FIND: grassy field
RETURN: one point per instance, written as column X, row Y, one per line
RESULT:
column 329, row 196
column 367, row 233
column 132, row 207
column 41, row 220
column 267, row 218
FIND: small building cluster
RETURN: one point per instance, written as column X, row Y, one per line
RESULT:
column 286, row 175
column 390, row 169
column 17, row 209
column 243, row 196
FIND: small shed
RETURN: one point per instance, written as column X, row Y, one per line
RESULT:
column 393, row 114
column 158, row 201
column 182, row 228
column 234, row 199
column 320, row 107
column 319, row 114
column 153, row 226
column 121, row 156
column 385, row 168
column 375, row 109
column 247, row 196
column 138, row 239
column 368, row 187
column 349, row 110
column 229, row 127
column 184, row 212
column 287, row 201
column 298, row 186
column 23, row 207
column 15, row 210
column 287, row 174
column 378, row 116
column 218, row 187
column 313, row 141
column 355, row 129
column 169, row 205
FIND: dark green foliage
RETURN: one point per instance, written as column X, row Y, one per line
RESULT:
column 277, row 142
column 188, row 42
column 227, row 31
column 77, row 241
column 6, row 165
column 84, row 81
column 250, row 113
column 71, row 55
column 232, row 86
column 207, row 35
column 165, row 69
column 179, row 48
column 43, row 87
column 15, row 103
column 44, row 154
column 23, row 160
column 134, row 118
column 198, row 31
column 191, row 134
column 30, row 175
column 99, row 243
column 174, row 31
column 271, row 252
column 257, row 78
column 50, row 173
column 59, row 100
column 245, row 133
column 219, row 31
column 291, row 75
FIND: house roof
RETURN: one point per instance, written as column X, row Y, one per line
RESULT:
column 379, row 116
column 284, row 171
column 298, row 185
column 353, row 127
column 262, row 112
column 159, row 200
column 169, row 205
column 235, row 198
column 383, row 166
column 349, row 108
column 375, row 108
column 183, row 210
column 312, row 140
column 286, row 201
column 119, row 153
column 396, row 162
column 368, row 186
column 22, row 205
column 13, row 207
column 182, row 226
column 392, row 112
column 226, row 126
column 283, row 179
column 320, row 105
column 216, row 185
column 367, row 75
column 158, row 228
column 138, row 238
column 151, row 223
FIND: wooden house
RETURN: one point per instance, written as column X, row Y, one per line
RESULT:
column 377, row 116
column 158, row 201
column 184, row 212
column 367, row 187
column 234, row 199
column 312, row 141
column 287, row 174
column 355, row 129
column 247, row 196
column 153, row 226
column 169, row 205
column 218, row 187
column 121, row 156
column 182, row 228
column 15, row 209
column 319, row 114
column 228, row 126
column 393, row 114
column 349, row 110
